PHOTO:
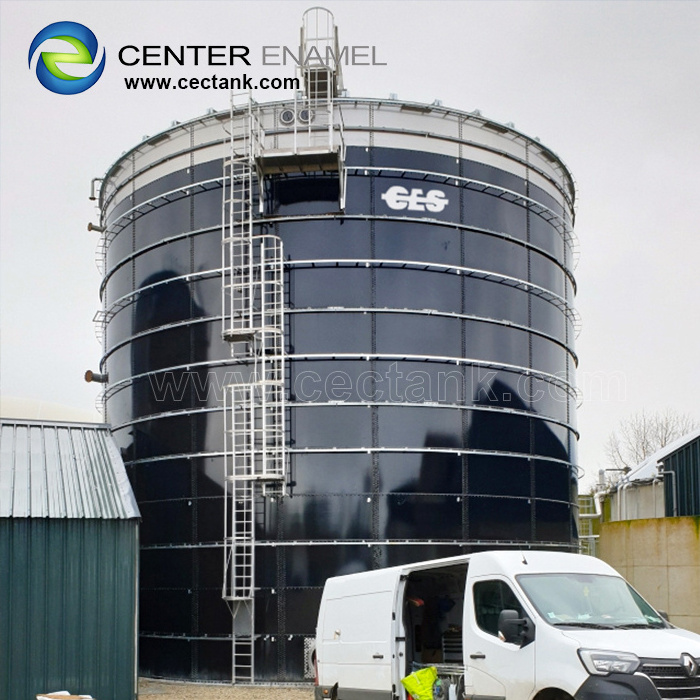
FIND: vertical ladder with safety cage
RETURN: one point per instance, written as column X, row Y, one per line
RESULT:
column 253, row 324
column 253, row 307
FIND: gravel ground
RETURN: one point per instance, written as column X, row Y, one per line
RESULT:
column 167, row 690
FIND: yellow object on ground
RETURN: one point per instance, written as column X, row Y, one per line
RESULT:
column 420, row 683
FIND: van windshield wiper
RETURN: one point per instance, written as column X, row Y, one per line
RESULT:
column 591, row 625
column 639, row 626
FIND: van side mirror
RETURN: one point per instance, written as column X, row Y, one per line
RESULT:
column 515, row 629
column 664, row 614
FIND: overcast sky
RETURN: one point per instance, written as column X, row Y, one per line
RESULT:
column 612, row 87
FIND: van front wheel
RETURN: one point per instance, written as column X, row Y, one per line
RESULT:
column 553, row 694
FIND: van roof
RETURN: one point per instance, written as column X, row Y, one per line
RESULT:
column 536, row 561
column 508, row 563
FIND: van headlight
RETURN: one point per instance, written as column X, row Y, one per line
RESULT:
column 601, row 663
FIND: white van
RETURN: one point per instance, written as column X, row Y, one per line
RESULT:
column 500, row 626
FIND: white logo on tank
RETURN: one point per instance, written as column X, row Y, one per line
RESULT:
column 400, row 198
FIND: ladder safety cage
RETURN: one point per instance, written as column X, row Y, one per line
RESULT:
column 254, row 404
column 255, row 454
column 239, row 283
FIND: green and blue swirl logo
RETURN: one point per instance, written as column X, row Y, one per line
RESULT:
column 47, row 70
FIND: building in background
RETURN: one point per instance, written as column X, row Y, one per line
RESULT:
column 665, row 484
column 650, row 529
column 69, row 547
column 381, row 370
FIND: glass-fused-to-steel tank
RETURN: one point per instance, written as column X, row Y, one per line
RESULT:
column 429, row 362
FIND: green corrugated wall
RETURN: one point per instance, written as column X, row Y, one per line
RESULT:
column 68, row 607
column 685, row 463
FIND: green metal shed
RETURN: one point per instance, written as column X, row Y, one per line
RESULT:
column 69, row 542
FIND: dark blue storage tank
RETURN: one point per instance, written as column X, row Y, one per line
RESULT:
column 429, row 352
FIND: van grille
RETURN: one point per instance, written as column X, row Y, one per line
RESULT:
column 672, row 682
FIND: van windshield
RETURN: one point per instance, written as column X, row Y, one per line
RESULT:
column 589, row 600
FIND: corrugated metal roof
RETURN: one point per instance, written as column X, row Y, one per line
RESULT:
column 647, row 469
column 62, row 470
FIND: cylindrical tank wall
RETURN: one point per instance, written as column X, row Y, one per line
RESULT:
column 429, row 336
